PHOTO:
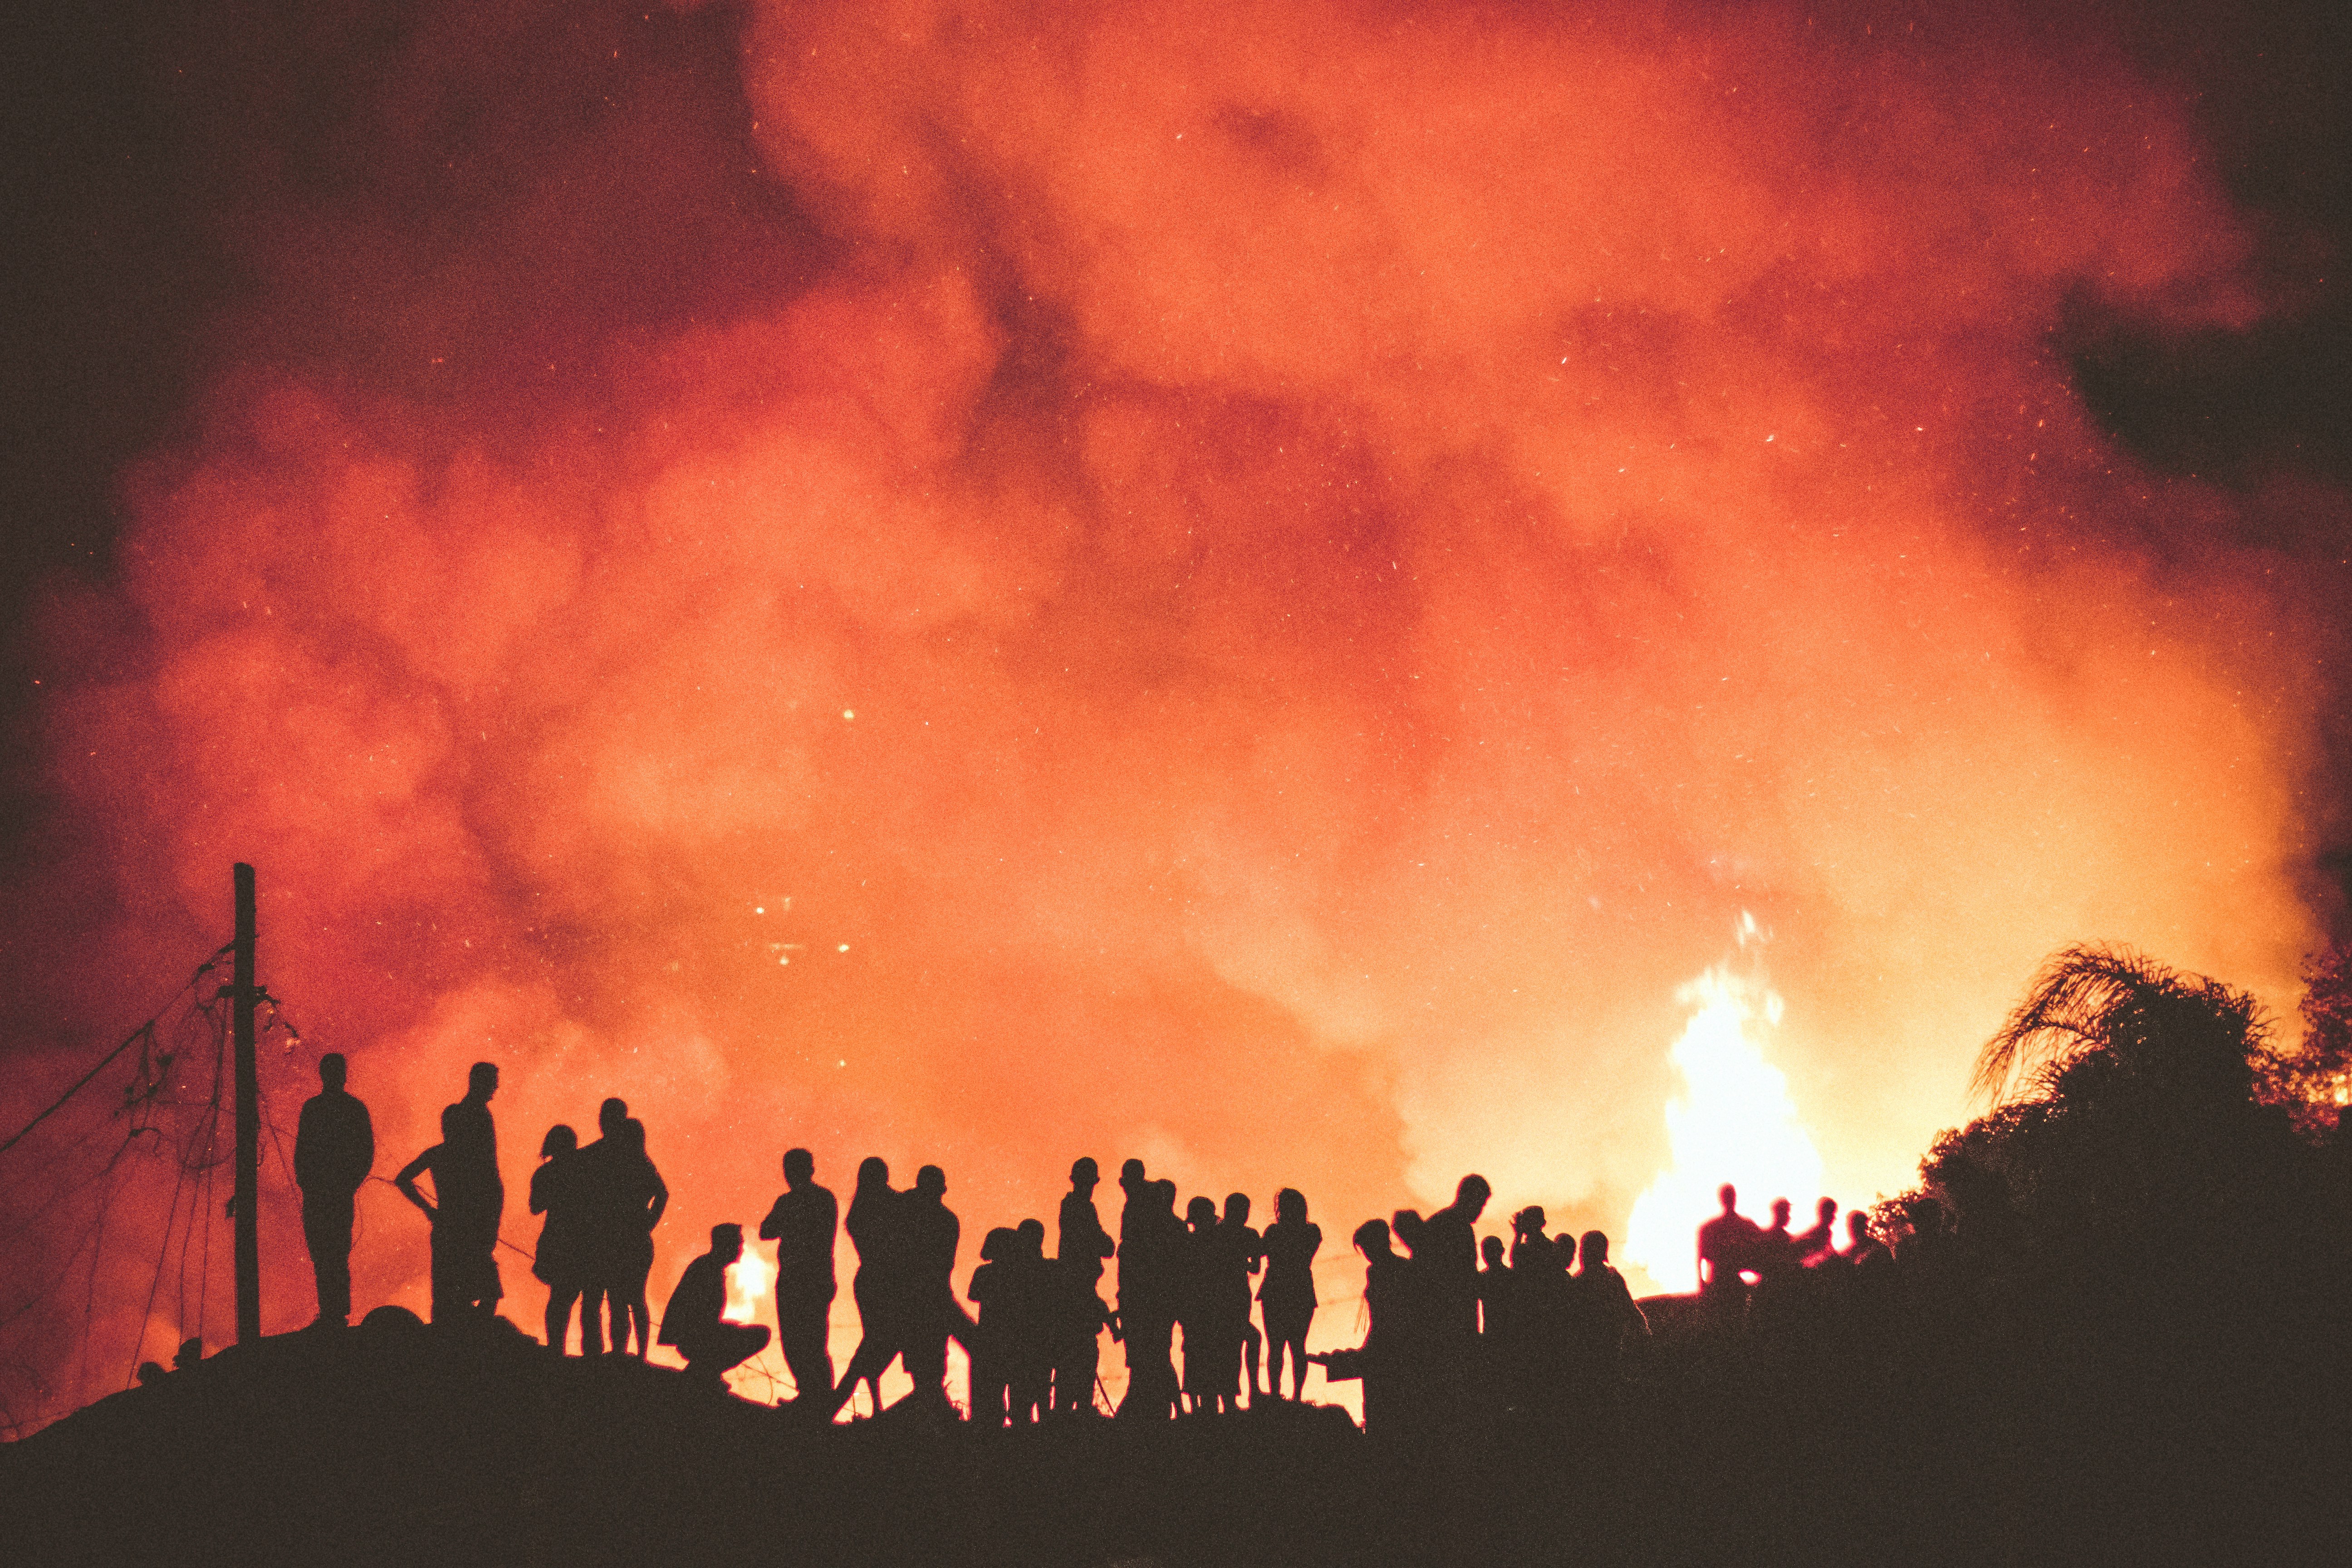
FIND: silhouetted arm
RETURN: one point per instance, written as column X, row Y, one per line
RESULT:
column 660, row 1195
column 772, row 1228
column 306, row 1147
column 407, row 1180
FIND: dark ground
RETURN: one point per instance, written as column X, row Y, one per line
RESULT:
column 378, row 1446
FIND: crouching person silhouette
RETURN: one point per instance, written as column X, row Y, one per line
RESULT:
column 692, row 1321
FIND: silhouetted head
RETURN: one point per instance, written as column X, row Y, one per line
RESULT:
column 1728, row 1196
column 1032, row 1233
column 1200, row 1213
column 726, row 1242
column 1529, row 1221
column 332, row 1070
column 451, row 1127
column 1290, row 1205
column 1130, row 1174
column 1373, row 1239
column 483, row 1082
column 800, row 1167
column 1470, row 1195
column 1827, row 1210
column 1407, row 1224
column 1857, row 1225
column 633, row 1135
column 873, row 1174
column 1237, row 1208
column 559, row 1140
column 1596, row 1249
column 931, row 1181
column 1084, row 1174
column 1163, row 1196
column 611, row 1114
column 1780, row 1214
column 998, row 1243
column 1491, row 1249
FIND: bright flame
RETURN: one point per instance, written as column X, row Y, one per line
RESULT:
column 747, row 1279
column 1735, row 1123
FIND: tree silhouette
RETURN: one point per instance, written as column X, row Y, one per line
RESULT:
column 2141, row 1143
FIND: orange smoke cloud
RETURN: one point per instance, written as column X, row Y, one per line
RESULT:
column 1258, row 590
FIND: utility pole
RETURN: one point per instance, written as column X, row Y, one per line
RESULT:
column 248, row 1122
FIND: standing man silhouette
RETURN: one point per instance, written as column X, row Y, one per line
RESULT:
column 335, row 1148
column 1726, row 1244
column 802, row 1224
column 929, row 1308
column 469, row 1200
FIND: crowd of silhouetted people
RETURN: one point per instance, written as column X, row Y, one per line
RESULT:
column 1539, row 1326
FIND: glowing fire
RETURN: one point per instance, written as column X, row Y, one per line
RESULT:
column 747, row 1279
column 1735, row 1123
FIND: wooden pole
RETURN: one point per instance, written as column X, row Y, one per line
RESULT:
column 248, row 1122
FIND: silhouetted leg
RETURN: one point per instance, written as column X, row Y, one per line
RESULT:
column 876, row 1348
column 448, row 1270
column 725, row 1346
column 560, row 1297
column 327, row 1232
column 591, row 1319
column 804, row 1331
column 926, row 1355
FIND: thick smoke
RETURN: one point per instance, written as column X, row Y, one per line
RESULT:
column 1253, row 586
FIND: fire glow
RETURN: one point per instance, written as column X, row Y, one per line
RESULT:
column 1266, row 577
column 1734, row 1121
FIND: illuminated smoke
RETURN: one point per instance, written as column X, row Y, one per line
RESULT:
column 1733, row 1121
column 1250, row 585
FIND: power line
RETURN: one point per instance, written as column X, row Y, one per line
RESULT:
column 146, row 1029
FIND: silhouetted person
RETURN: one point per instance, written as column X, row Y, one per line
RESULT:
column 1494, row 1290
column 334, row 1149
column 694, row 1320
column 1081, row 1240
column 596, row 1184
column 1243, row 1253
column 929, row 1310
column 1545, row 1306
column 1609, row 1317
column 1822, row 1239
column 641, row 1197
column 1726, row 1245
column 802, row 1224
column 561, row 1260
column 1030, row 1365
column 1865, row 1251
column 991, row 1378
column 468, row 1199
column 1077, row 1319
column 1445, row 1260
column 1447, row 1252
column 1212, row 1351
column 1867, row 1287
column 1151, row 1286
column 1774, row 1253
column 1390, row 1333
column 1776, row 1309
column 877, row 1230
column 1286, row 1297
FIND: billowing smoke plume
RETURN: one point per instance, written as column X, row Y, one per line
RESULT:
column 1254, row 586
